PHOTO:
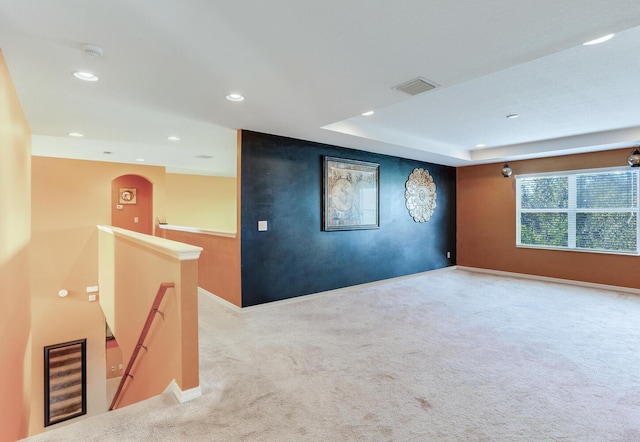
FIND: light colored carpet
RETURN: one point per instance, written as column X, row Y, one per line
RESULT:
column 446, row 355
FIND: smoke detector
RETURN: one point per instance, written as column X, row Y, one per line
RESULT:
column 416, row 86
column 92, row 51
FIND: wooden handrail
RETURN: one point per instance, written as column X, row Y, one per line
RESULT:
column 143, row 334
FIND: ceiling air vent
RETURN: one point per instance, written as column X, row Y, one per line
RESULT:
column 416, row 86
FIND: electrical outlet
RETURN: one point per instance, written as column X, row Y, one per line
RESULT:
column 92, row 298
column 448, row 254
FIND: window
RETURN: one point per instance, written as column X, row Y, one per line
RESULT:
column 589, row 210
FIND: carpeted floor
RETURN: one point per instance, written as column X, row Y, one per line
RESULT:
column 446, row 355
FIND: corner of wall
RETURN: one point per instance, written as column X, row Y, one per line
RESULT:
column 15, row 252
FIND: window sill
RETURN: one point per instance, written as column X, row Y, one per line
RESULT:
column 564, row 249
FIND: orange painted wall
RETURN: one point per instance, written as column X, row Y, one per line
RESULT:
column 114, row 360
column 206, row 202
column 139, row 216
column 69, row 198
column 15, row 218
column 486, row 225
column 219, row 263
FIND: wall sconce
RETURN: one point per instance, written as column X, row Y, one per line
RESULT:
column 634, row 158
column 506, row 170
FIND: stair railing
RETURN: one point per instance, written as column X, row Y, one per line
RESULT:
column 143, row 335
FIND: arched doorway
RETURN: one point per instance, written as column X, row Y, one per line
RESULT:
column 132, row 203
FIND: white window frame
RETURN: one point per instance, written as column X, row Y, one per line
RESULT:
column 572, row 209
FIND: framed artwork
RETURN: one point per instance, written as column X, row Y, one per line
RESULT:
column 127, row 195
column 350, row 194
column 65, row 381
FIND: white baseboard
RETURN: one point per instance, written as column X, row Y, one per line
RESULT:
column 183, row 396
column 614, row 288
column 309, row 296
column 219, row 299
column 593, row 285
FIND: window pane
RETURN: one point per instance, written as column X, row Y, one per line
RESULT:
column 607, row 190
column 544, row 229
column 606, row 231
column 594, row 210
column 544, row 193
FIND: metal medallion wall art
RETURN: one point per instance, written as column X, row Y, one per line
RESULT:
column 420, row 195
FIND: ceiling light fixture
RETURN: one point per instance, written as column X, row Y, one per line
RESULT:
column 368, row 113
column 75, row 134
column 173, row 138
column 634, row 158
column 598, row 40
column 235, row 97
column 512, row 116
column 140, row 160
column 506, row 171
column 85, row 76
column 481, row 145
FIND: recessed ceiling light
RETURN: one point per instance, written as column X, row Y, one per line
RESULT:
column 367, row 114
column 204, row 157
column 235, row 97
column 598, row 40
column 76, row 134
column 173, row 138
column 107, row 152
column 512, row 116
column 140, row 160
column 86, row 76
column 481, row 145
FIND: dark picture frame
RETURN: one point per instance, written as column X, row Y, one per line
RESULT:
column 351, row 194
column 65, row 381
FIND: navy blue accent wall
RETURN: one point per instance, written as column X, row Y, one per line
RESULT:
column 281, row 183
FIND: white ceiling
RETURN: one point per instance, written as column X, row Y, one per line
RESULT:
column 309, row 69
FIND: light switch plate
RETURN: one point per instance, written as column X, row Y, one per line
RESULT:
column 262, row 226
column 92, row 289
